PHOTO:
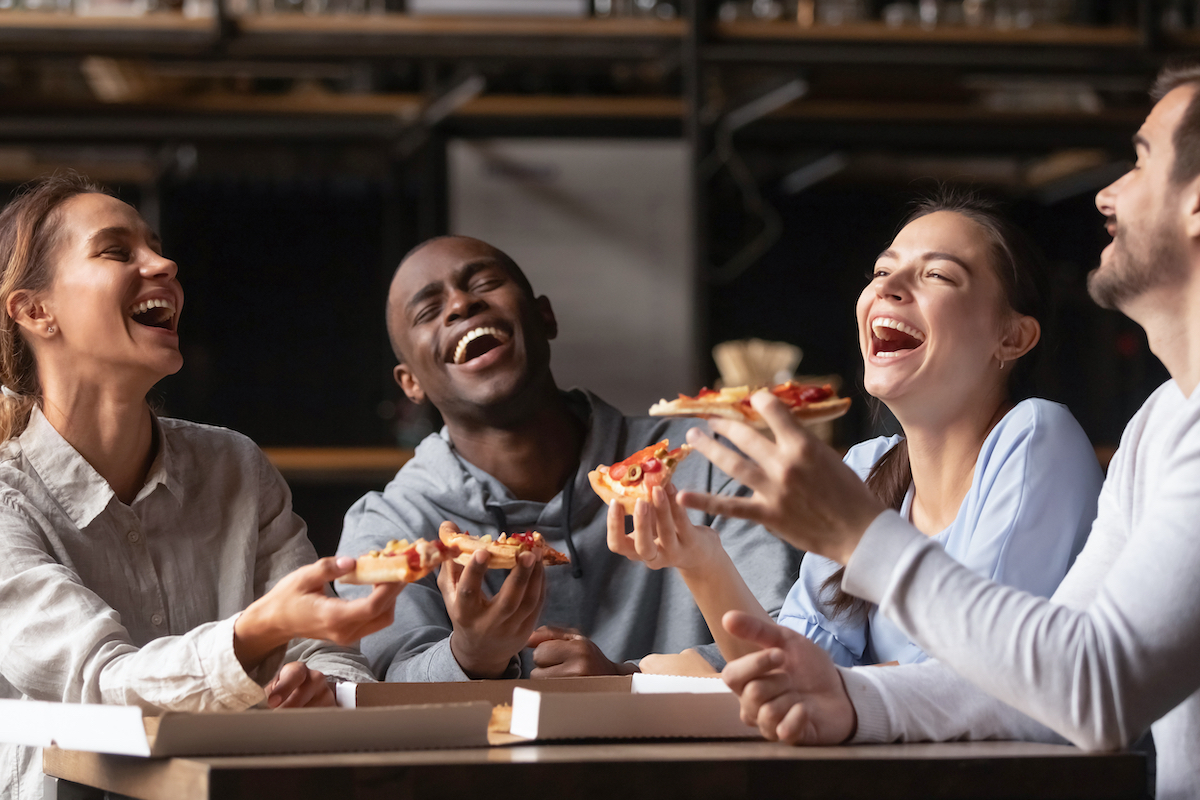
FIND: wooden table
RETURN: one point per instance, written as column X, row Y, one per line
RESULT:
column 652, row 769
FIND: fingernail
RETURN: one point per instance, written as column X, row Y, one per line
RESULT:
column 274, row 701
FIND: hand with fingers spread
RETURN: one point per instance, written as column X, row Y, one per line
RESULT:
column 567, row 653
column 790, row 690
column 663, row 536
column 298, row 686
column 489, row 631
column 299, row 607
column 803, row 493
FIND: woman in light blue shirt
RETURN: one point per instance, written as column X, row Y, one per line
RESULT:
column 1024, row 519
column 948, row 327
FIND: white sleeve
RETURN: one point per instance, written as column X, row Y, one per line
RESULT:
column 927, row 702
column 1098, row 676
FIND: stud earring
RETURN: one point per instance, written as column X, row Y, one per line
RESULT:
column 50, row 329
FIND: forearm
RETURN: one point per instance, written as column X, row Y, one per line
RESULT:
column 1050, row 661
column 717, row 588
column 927, row 702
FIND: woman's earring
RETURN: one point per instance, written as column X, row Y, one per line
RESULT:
column 1001, row 365
column 50, row 329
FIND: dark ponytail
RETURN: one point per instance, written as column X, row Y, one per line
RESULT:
column 1025, row 280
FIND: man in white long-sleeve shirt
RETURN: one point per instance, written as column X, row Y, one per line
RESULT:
column 1117, row 648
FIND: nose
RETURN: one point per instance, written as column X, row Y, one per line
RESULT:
column 893, row 286
column 1106, row 198
column 462, row 305
column 159, row 267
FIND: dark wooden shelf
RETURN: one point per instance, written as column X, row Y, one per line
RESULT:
column 872, row 32
column 1054, row 47
column 338, row 464
column 153, row 34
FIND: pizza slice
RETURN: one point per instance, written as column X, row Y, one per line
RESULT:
column 634, row 477
column 399, row 562
column 809, row 404
column 504, row 549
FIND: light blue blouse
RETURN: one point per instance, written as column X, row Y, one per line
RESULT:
column 1025, row 518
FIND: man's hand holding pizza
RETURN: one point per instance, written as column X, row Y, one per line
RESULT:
column 790, row 690
column 566, row 653
column 489, row 631
column 803, row 493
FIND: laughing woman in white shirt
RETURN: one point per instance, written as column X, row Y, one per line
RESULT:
column 146, row 561
column 946, row 326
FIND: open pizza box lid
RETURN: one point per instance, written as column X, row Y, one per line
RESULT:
column 122, row 730
column 610, row 707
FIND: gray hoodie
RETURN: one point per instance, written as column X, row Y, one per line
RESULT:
column 627, row 609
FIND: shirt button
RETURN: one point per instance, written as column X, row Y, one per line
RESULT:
column 157, row 619
column 134, row 537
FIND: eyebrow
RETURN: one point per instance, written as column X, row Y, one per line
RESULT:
column 933, row 255
column 121, row 230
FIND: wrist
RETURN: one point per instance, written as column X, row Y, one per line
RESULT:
column 478, row 666
column 255, row 636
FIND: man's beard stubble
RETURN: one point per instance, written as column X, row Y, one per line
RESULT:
column 1127, row 276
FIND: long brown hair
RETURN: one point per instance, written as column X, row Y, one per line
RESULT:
column 29, row 235
column 1025, row 281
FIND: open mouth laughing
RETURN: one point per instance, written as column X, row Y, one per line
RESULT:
column 477, row 342
column 891, row 338
column 155, row 313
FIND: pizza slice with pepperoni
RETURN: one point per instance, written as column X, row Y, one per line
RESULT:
column 808, row 403
column 634, row 477
column 400, row 562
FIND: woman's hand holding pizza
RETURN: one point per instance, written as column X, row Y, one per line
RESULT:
column 299, row 686
column 567, row 653
column 298, row 607
column 489, row 631
column 803, row 493
column 790, row 690
column 663, row 536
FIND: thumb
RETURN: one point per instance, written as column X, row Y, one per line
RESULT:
column 315, row 576
column 752, row 629
column 548, row 632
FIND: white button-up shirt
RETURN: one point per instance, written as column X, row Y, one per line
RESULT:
column 102, row 602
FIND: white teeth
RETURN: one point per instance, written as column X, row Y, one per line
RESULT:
column 895, row 324
column 146, row 305
column 460, row 352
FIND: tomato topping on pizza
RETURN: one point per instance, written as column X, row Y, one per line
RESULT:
column 637, row 475
column 400, row 562
column 808, row 403
column 503, row 550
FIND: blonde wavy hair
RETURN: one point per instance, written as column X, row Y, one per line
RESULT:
column 29, row 236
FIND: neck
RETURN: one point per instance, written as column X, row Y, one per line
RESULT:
column 1171, row 319
column 533, row 456
column 943, row 455
column 109, row 427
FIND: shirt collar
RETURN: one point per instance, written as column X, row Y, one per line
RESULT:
column 73, row 483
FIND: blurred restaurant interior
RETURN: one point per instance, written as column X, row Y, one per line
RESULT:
column 673, row 174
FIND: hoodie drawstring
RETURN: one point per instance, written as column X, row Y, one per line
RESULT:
column 501, row 520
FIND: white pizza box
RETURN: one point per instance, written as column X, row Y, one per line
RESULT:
column 656, row 706
column 122, row 730
column 370, row 695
